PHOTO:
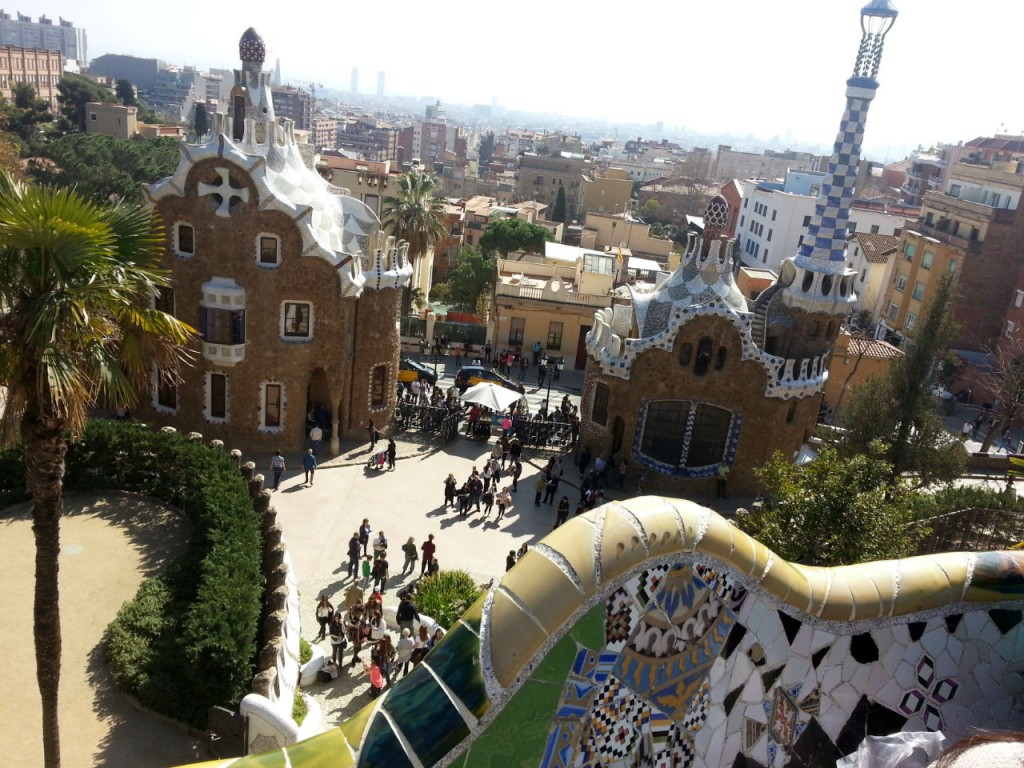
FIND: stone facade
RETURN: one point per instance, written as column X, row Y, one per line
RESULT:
column 292, row 288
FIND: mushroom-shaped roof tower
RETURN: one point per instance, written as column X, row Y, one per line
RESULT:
column 251, row 47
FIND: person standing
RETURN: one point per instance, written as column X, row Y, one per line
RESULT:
column 517, row 470
column 458, row 356
column 428, row 548
column 403, row 651
column 324, row 615
column 406, row 613
column 277, row 466
column 367, row 570
column 371, row 430
column 379, row 573
column 585, row 457
column 380, row 546
column 538, row 488
column 722, row 479
column 354, row 546
column 316, row 435
column 309, row 465
column 392, row 450
column 487, row 352
column 510, row 560
column 563, row 511
column 523, row 365
column 364, row 534
column 409, row 550
column 504, row 500
column 337, row 634
column 536, row 352
column 542, row 371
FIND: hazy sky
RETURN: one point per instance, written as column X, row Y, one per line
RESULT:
column 745, row 67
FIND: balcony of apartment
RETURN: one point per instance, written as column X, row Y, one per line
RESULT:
column 963, row 208
column 544, row 292
column 1004, row 174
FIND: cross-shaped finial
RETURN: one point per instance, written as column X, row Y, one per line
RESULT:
column 226, row 191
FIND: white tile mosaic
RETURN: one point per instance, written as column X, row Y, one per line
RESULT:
column 934, row 641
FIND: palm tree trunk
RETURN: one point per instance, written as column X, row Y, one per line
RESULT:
column 43, row 437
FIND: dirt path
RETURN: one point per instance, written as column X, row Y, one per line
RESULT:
column 109, row 544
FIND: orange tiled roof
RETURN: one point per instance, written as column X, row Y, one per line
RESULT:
column 873, row 348
column 876, row 247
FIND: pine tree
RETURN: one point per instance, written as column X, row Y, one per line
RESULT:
column 200, row 121
column 559, row 213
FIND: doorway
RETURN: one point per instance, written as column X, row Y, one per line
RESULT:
column 581, row 348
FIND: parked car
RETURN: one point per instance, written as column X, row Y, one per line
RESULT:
column 471, row 375
column 410, row 370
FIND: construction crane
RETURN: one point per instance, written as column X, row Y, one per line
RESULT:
column 312, row 91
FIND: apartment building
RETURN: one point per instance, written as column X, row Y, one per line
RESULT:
column 63, row 37
column 115, row 120
column 42, row 69
column 540, row 176
column 370, row 138
column 607, row 191
column 973, row 227
column 294, row 104
column 734, row 164
column 773, row 217
column 325, row 132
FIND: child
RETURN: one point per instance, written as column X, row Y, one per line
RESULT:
column 367, row 569
column 376, row 678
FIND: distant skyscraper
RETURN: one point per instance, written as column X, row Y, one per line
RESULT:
column 277, row 72
column 355, row 80
column 23, row 32
column 380, row 83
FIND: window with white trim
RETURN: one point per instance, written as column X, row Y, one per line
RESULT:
column 184, row 240
column 1010, row 328
column 927, row 259
column 268, row 250
column 901, row 283
column 911, row 319
column 216, row 397
column 918, row 291
column 222, row 320
column 272, row 406
column 1018, row 300
column 894, row 312
column 296, row 321
column 165, row 391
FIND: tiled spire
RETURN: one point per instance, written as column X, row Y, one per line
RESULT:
column 823, row 251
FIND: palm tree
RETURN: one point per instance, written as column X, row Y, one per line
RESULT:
column 76, row 330
column 415, row 215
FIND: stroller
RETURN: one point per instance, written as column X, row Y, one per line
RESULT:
column 378, row 460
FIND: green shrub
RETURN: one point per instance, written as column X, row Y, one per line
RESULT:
column 299, row 708
column 446, row 595
column 188, row 639
column 305, row 652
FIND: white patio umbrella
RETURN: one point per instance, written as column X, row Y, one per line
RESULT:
column 489, row 395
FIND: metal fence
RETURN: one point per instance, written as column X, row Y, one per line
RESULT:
column 541, row 433
column 437, row 420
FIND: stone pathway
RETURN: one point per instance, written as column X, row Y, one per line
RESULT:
column 109, row 545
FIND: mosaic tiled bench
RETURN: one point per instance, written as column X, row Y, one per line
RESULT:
column 655, row 633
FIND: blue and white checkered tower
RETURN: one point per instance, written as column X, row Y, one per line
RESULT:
column 817, row 278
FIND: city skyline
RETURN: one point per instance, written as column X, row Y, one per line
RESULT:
column 686, row 67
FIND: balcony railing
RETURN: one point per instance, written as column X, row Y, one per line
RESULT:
column 562, row 297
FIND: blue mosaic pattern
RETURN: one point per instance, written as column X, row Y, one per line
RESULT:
column 689, row 472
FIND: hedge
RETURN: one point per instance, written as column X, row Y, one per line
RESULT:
column 445, row 596
column 188, row 639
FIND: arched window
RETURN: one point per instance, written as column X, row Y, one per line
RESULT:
column 685, row 354
column 720, row 358
column 599, row 410
column 703, row 356
column 791, row 413
column 378, row 386
column 685, row 434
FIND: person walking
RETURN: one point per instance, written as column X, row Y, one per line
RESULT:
column 354, row 547
column 392, row 450
column 458, row 356
column 367, row 570
column 324, row 615
column 504, row 500
column 277, row 466
column 542, row 371
column 539, row 487
column 428, row 548
column 309, row 465
column 536, row 352
column 364, row 534
column 450, row 488
column 517, row 470
column 523, row 365
column 406, row 613
column 316, row 435
column 488, row 499
column 411, row 555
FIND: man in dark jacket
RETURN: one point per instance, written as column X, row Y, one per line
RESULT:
column 354, row 548
column 406, row 613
